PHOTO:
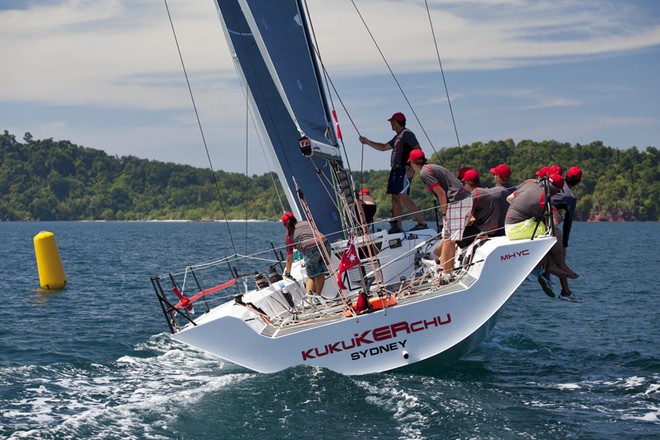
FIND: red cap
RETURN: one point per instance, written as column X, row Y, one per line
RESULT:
column 286, row 217
column 555, row 169
column 502, row 170
column 416, row 155
column 557, row 181
column 574, row 173
column 461, row 172
column 364, row 191
column 543, row 172
column 398, row 117
column 471, row 176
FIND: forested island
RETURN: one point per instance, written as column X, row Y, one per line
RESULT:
column 58, row 180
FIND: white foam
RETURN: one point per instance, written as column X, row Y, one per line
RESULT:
column 652, row 389
column 411, row 414
column 111, row 401
column 651, row 417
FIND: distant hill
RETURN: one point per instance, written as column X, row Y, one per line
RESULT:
column 617, row 185
column 57, row 180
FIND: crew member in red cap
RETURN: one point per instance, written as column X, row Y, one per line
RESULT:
column 574, row 174
column 368, row 205
column 487, row 217
column 555, row 169
column 502, row 177
column 567, row 202
column 398, row 184
column 461, row 173
column 470, row 179
column 455, row 204
column 526, row 206
column 301, row 236
column 526, row 211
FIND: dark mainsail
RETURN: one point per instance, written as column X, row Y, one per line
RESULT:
column 270, row 44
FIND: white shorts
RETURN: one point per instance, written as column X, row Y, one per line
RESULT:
column 456, row 219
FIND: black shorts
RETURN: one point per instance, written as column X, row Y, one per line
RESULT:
column 368, row 210
column 398, row 183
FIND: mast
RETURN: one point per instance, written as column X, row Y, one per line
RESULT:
column 272, row 50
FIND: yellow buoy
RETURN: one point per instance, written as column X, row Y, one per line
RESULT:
column 49, row 264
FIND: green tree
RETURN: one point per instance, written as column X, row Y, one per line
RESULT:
column 57, row 180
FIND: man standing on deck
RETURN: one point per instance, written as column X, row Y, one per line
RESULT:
column 455, row 205
column 398, row 184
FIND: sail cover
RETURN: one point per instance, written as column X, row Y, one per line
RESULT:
column 270, row 45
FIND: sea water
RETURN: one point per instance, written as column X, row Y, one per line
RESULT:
column 95, row 360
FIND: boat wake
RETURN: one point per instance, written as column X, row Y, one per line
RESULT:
column 111, row 401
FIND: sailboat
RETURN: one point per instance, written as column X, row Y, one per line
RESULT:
column 273, row 325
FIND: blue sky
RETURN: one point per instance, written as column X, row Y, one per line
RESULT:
column 106, row 74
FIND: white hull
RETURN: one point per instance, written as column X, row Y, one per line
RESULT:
column 425, row 322
column 275, row 327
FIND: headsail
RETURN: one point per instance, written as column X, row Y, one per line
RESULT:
column 270, row 44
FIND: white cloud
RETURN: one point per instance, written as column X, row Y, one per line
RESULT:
column 123, row 53
column 120, row 56
column 477, row 34
column 102, row 53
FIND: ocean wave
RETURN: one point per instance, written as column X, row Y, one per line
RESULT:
column 112, row 401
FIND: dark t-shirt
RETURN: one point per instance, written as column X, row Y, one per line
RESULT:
column 502, row 192
column 487, row 212
column 506, row 188
column 567, row 201
column 433, row 175
column 402, row 144
column 527, row 203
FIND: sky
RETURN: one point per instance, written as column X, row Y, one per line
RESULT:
column 107, row 75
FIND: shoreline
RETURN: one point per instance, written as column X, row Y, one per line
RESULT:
column 595, row 220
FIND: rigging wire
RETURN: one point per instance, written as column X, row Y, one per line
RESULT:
column 271, row 174
column 328, row 82
column 260, row 89
column 247, row 179
column 362, row 167
column 393, row 76
column 444, row 81
column 326, row 77
column 199, row 124
column 246, row 93
column 348, row 115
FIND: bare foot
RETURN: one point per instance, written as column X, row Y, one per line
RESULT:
column 569, row 272
column 557, row 271
column 572, row 275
